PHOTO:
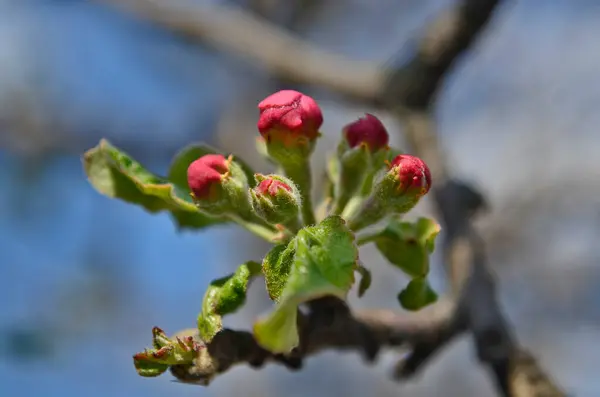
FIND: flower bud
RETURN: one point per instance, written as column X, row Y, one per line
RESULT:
column 219, row 185
column 289, row 123
column 275, row 199
column 368, row 131
column 397, row 191
column 402, row 186
column 289, row 114
column 410, row 177
column 205, row 174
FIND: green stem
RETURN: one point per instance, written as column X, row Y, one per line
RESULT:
column 293, row 225
column 367, row 237
column 351, row 179
column 352, row 207
column 323, row 209
column 367, row 185
column 300, row 174
column 370, row 212
column 261, row 231
column 340, row 204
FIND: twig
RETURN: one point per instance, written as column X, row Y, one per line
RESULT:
column 329, row 325
column 409, row 91
column 283, row 54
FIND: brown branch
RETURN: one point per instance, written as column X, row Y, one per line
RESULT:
column 409, row 91
column 329, row 325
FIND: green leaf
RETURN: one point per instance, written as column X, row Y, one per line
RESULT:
column 224, row 296
column 165, row 352
column 323, row 263
column 190, row 153
column 115, row 174
column 417, row 294
column 149, row 369
column 185, row 220
column 276, row 267
column 365, row 280
column 408, row 245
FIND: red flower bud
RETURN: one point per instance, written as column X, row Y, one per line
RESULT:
column 290, row 112
column 368, row 130
column 271, row 187
column 396, row 192
column 205, row 173
column 412, row 173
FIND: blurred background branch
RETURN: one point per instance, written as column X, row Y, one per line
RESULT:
column 232, row 29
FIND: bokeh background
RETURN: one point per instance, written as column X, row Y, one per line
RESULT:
column 85, row 278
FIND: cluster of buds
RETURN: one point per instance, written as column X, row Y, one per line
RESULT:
column 316, row 255
column 289, row 123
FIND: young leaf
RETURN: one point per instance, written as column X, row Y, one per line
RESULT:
column 365, row 280
column 323, row 263
column 165, row 352
column 224, row 296
column 417, row 294
column 149, row 369
column 115, row 174
column 408, row 245
column 277, row 266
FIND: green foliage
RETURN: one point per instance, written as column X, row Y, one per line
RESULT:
column 224, row 296
column 417, row 294
column 365, row 280
column 407, row 245
column 115, row 174
column 165, row 352
column 324, row 260
column 277, row 266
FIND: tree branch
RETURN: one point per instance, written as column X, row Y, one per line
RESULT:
column 409, row 91
column 283, row 54
column 329, row 325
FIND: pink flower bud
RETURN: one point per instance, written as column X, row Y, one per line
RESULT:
column 368, row 130
column 288, row 115
column 205, row 173
column 412, row 173
column 275, row 199
column 271, row 187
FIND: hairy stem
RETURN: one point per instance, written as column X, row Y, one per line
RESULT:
column 301, row 175
column 259, row 230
